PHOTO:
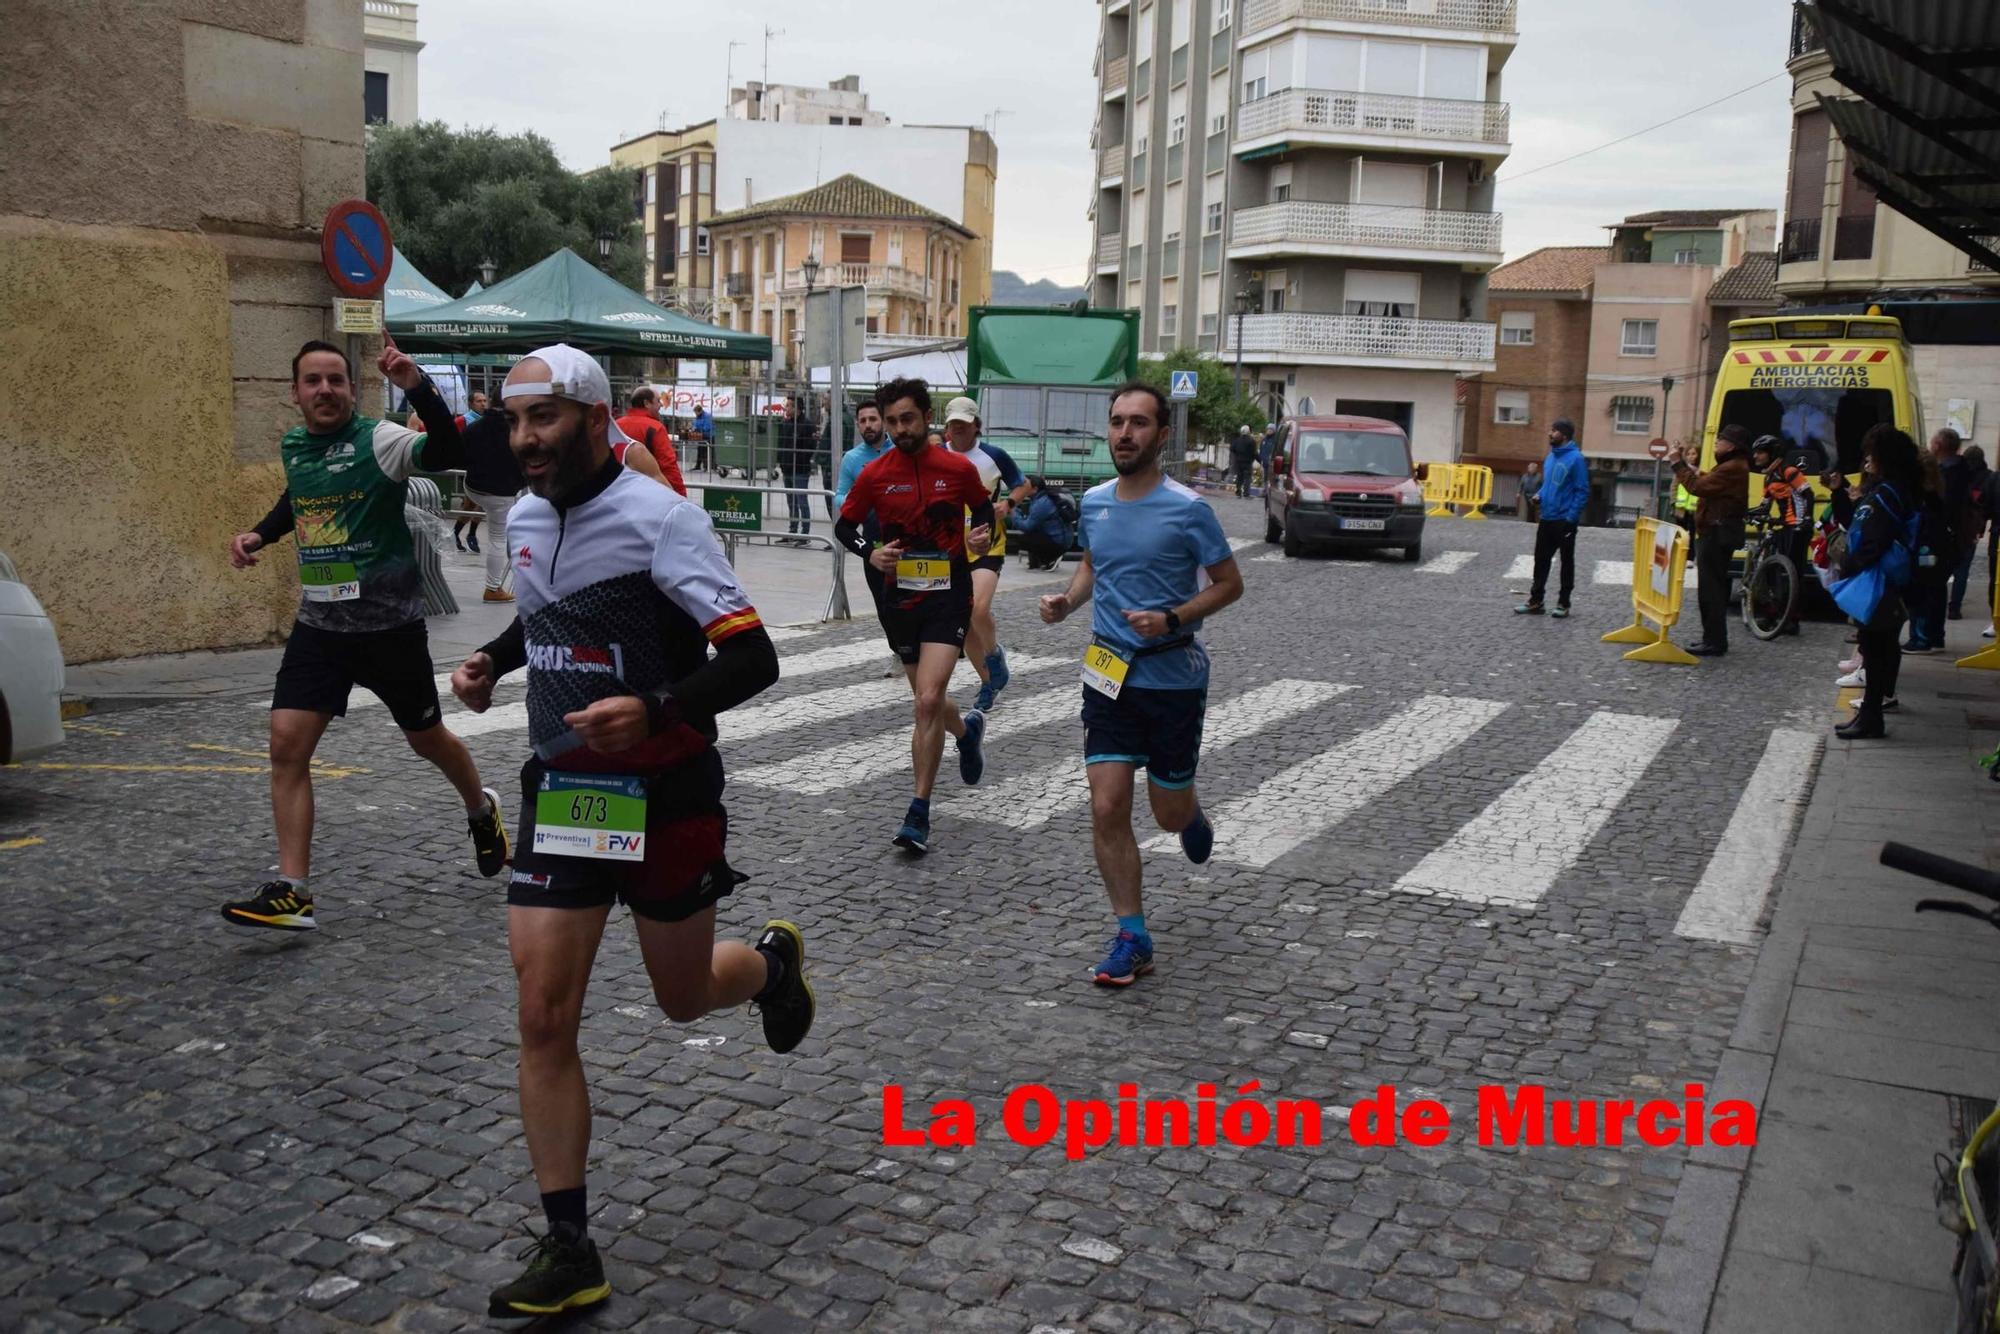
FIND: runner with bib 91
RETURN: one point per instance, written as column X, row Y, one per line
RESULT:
column 1156, row 561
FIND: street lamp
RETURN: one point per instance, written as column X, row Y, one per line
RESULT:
column 1242, row 309
column 810, row 266
column 605, row 236
column 488, row 270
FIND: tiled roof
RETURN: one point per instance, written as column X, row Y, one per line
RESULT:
column 1687, row 217
column 1555, row 268
column 842, row 197
column 1751, row 283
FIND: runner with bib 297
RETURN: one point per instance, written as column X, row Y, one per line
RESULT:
column 1156, row 561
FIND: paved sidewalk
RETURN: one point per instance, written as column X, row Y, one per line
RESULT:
column 1862, row 1020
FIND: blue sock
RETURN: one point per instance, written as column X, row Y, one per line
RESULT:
column 921, row 806
column 1136, row 924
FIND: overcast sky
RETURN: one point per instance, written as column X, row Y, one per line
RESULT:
column 588, row 73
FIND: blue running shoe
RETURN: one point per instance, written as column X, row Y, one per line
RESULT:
column 996, row 669
column 1198, row 839
column 971, row 758
column 915, row 835
column 1130, row 958
column 984, row 700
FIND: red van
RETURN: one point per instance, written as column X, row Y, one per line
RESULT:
column 1345, row 482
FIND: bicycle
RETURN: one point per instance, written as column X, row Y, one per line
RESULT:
column 1770, row 579
column 1972, row 1171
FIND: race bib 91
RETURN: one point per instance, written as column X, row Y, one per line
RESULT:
column 925, row 572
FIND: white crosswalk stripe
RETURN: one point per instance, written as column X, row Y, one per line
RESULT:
column 1312, row 797
column 1031, row 800
column 1520, row 845
column 1726, row 904
column 887, row 752
column 869, row 651
column 1448, row 562
column 755, row 720
column 1603, row 573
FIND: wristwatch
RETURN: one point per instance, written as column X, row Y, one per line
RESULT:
column 1173, row 623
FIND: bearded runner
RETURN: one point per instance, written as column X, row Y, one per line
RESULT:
column 623, row 590
column 361, row 616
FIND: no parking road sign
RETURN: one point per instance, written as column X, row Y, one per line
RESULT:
column 1183, row 384
column 355, row 247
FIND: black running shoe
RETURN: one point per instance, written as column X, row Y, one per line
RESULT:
column 561, row 1276
column 489, row 836
column 788, row 1011
column 276, row 905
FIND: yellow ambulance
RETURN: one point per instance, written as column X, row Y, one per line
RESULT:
column 1818, row 382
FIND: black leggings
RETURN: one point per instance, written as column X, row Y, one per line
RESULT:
column 1882, row 660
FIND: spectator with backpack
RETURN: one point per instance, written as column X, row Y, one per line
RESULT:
column 1877, row 567
column 1045, row 526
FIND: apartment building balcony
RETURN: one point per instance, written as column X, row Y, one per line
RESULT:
column 1110, row 249
column 1117, row 73
column 1383, row 122
column 1492, row 19
column 1365, row 231
column 1303, row 338
column 884, row 279
column 1111, row 165
column 1117, row 6
column 735, row 285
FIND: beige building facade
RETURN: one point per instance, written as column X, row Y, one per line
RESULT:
column 675, row 171
column 913, row 262
column 157, row 272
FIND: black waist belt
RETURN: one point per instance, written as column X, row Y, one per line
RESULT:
column 1178, row 641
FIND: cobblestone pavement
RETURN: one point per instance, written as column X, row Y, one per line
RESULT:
column 209, row 1129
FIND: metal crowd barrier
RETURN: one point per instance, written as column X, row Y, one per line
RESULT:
column 1466, row 486
column 1659, row 571
column 423, row 505
column 837, row 607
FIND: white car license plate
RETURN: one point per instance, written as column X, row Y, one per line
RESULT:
column 1365, row 525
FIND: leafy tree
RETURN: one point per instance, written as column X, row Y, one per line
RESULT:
column 1219, row 406
column 456, row 197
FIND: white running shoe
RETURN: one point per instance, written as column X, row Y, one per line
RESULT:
column 1854, row 680
column 1852, row 664
column 1987, row 633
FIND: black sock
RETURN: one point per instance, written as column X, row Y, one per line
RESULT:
column 774, row 974
column 567, row 1214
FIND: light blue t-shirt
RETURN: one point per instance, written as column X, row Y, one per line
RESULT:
column 858, row 456
column 1150, row 554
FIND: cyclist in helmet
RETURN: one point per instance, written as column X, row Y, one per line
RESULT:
column 1788, row 491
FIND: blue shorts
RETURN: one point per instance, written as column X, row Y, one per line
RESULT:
column 1160, row 729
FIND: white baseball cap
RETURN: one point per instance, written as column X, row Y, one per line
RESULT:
column 573, row 374
column 961, row 410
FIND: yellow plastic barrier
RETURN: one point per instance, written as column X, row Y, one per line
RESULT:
column 1987, row 658
column 1472, row 487
column 1659, row 566
column 1439, row 485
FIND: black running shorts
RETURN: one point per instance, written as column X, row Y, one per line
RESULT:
column 321, row 667
column 937, row 618
column 684, row 870
column 994, row 563
column 1160, row 729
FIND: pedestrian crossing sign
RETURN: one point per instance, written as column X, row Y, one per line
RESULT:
column 1183, row 384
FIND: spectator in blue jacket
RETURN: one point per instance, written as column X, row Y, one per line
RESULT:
column 1565, row 491
column 1041, row 527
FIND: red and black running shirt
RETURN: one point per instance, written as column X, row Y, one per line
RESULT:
column 919, row 499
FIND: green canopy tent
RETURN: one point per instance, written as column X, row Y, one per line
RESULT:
column 476, row 288
column 407, row 292
column 565, row 300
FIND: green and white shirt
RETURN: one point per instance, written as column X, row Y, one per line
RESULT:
column 357, row 560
